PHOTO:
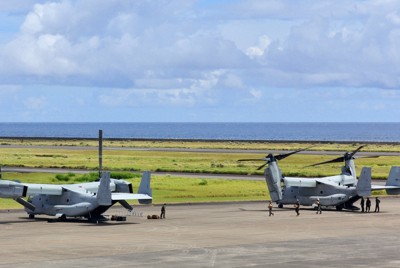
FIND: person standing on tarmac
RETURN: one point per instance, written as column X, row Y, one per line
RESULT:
column 270, row 208
column 377, row 201
column 367, row 205
column 297, row 207
column 362, row 204
column 162, row 216
column 318, row 207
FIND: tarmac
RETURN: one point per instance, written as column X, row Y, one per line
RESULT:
column 207, row 235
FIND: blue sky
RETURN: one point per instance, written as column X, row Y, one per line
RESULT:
column 199, row 61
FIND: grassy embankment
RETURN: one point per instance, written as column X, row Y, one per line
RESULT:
column 171, row 189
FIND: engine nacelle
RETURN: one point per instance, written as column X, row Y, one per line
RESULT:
column 10, row 189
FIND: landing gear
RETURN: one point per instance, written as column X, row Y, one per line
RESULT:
column 280, row 205
column 339, row 208
column 31, row 216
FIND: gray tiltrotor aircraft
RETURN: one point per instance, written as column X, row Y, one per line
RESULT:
column 340, row 191
column 89, row 200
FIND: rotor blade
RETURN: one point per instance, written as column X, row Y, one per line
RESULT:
column 263, row 165
column 342, row 158
column 282, row 156
column 256, row 159
column 368, row 156
column 25, row 203
column 356, row 150
column 336, row 160
column 125, row 205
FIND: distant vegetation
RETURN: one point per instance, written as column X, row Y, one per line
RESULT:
column 128, row 165
column 250, row 145
column 169, row 161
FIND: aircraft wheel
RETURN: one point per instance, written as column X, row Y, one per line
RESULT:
column 338, row 208
column 31, row 216
column 280, row 205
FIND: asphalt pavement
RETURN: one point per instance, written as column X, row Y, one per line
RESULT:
column 207, row 235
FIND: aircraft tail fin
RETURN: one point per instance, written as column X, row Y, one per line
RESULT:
column 104, row 192
column 393, row 180
column 273, row 178
column 364, row 182
column 145, row 188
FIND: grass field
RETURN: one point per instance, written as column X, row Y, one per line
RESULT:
column 218, row 163
column 243, row 145
column 172, row 189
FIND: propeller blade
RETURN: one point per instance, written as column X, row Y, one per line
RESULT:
column 25, row 203
column 263, row 165
column 368, row 156
column 356, row 150
column 125, row 205
column 271, row 158
column 336, row 160
column 283, row 156
column 257, row 159
column 347, row 156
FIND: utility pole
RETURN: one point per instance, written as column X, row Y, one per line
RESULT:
column 100, row 152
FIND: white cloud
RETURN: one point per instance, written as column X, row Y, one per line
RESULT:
column 196, row 91
column 202, row 53
column 115, row 43
column 256, row 93
column 35, row 103
column 259, row 49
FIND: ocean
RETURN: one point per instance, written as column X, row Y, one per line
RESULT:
column 347, row 132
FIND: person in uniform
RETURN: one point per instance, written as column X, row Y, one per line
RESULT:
column 162, row 216
column 377, row 201
column 297, row 207
column 362, row 204
column 367, row 205
column 319, row 210
column 270, row 208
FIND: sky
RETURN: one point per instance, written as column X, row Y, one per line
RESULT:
column 200, row 61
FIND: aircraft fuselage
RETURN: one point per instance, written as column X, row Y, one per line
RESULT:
column 69, row 204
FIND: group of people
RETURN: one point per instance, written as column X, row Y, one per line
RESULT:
column 296, row 207
column 367, row 204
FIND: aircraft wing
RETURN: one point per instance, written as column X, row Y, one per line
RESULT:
column 125, row 196
column 329, row 197
column 52, row 189
column 327, row 182
column 383, row 187
column 300, row 182
column 49, row 189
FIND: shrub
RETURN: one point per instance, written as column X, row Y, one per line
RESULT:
column 203, row 182
column 65, row 177
column 88, row 177
column 123, row 175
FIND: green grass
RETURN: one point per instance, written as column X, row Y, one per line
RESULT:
column 218, row 163
column 323, row 146
column 177, row 190
column 171, row 189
